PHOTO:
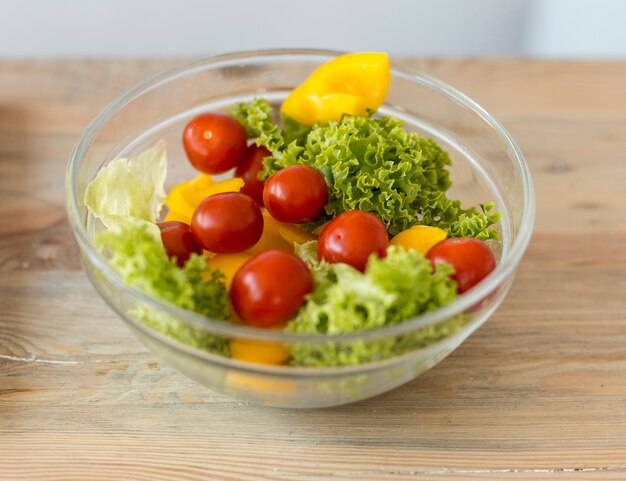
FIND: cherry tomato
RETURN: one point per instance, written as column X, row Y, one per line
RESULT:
column 471, row 259
column 249, row 170
column 214, row 143
column 227, row 222
column 270, row 287
column 178, row 241
column 295, row 194
column 351, row 238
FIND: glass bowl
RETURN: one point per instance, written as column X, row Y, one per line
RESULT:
column 487, row 167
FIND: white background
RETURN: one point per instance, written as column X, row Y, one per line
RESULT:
column 166, row 28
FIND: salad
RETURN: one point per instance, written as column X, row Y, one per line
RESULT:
column 336, row 220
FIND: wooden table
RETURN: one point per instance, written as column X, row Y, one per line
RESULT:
column 539, row 392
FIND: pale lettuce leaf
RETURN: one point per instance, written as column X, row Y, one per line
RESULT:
column 129, row 188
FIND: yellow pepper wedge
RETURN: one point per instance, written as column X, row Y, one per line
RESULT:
column 229, row 185
column 292, row 233
column 195, row 190
column 271, row 238
column 185, row 197
column 420, row 238
column 348, row 84
column 259, row 352
column 228, row 264
column 179, row 208
column 178, row 216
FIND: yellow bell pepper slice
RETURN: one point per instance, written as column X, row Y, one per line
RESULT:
column 183, row 199
column 348, row 84
column 333, row 106
column 292, row 233
column 229, row 185
column 420, row 238
column 229, row 264
column 172, row 215
column 271, row 238
column 259, row 352
column 195, row 190
column 178, row 205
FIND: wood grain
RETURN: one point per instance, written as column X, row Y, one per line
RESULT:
column 539, row 392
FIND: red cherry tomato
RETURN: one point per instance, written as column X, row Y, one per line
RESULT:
column 295, row 194
column 249, row 170
column 214, row 143
column 227, row 222
column 269, row 288
column 351, row 238
column 471, row 259
column 178, row 241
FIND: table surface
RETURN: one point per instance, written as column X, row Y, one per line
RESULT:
column 539, row 392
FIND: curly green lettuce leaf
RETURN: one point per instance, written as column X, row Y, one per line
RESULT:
column 142, row 262
column 392, row 289
column 294, row 131
column 256, row 119
column 129, row 188
column 475, row 222
column 371, row 164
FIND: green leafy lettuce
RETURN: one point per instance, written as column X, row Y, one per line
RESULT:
column 371, row 164
column 399, row 286
column 127, row 196
column 141, row 260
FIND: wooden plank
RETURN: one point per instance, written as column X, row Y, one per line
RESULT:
column 132, row 457
column 539, row 392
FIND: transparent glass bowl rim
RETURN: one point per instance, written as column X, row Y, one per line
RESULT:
column 504, row 269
